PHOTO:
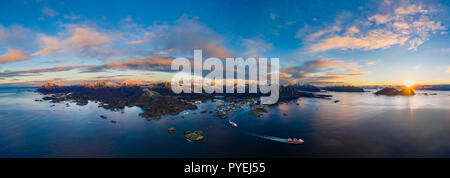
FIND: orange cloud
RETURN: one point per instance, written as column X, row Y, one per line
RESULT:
column 149, row 63
column 86, row 37
column 412, row 9
column 82, row 38
column 375, row 39
column 12, row 56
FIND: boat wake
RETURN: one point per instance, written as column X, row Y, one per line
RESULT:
column 277, row 139
column 272, row 138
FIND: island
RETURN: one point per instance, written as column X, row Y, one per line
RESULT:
column 407, row 91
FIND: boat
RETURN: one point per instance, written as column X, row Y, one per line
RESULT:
column 232, row 124
column 295, row 141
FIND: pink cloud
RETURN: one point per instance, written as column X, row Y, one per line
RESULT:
column 375, row 39
column 13, row 55
column 81, row 38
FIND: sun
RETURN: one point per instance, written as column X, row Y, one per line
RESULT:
column 409, row 83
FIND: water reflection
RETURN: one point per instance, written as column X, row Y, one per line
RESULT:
column 360, row 125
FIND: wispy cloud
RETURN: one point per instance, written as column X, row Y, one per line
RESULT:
column 406, row 24
column 317, row 34
column 445, row 50
column 273, row 15
column 8, row 74
column 256, row 46
column 148, row 63
column 324, row 70
column 72, row 16
column 375, row 39
column 179, row 38
column 49, row 12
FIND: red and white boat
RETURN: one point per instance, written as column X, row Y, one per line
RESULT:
column 295, row 141
column 232, row 124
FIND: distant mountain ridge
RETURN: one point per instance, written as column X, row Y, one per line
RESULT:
column 441, row 87
column 51, row 87
column 343, row 89
column 307, row 87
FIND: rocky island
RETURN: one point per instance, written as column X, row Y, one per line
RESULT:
column 407, row 91
column 193, row 136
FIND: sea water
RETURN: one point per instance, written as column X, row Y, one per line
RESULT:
column 359, row 125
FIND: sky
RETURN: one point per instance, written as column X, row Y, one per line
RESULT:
column 322, row 42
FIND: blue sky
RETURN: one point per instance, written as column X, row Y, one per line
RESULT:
column 321, row 42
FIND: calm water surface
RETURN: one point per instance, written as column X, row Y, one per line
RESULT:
column 360, row 125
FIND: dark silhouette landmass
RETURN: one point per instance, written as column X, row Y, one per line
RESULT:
column 343, row 89
column 432, row 87
column 117, row 97
column 393, row 92
column 442, row 87
column 157, row 99
column 308, row 87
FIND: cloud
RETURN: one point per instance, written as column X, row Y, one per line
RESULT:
column 448, row 70
column 49, row 44
column 375, row 39
column 181, row 38
column 353, row 29
column 16, row 37
column 256, row 46
column 189, row 34
column 18, row 41
column 409, row 10
column 407, row 24
column 13, row 55
column 323, row 70
column 273, row 16
column 445, row 50
column 87, row 41
column 83, row 39
column 131, row 40
column 380, row 19
column 149, row 63
column 86, row 37
column 8, row 74
column 320, row 33
column 138, row 42
column 72, row 16
column 153, row 64
column 49, row 12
